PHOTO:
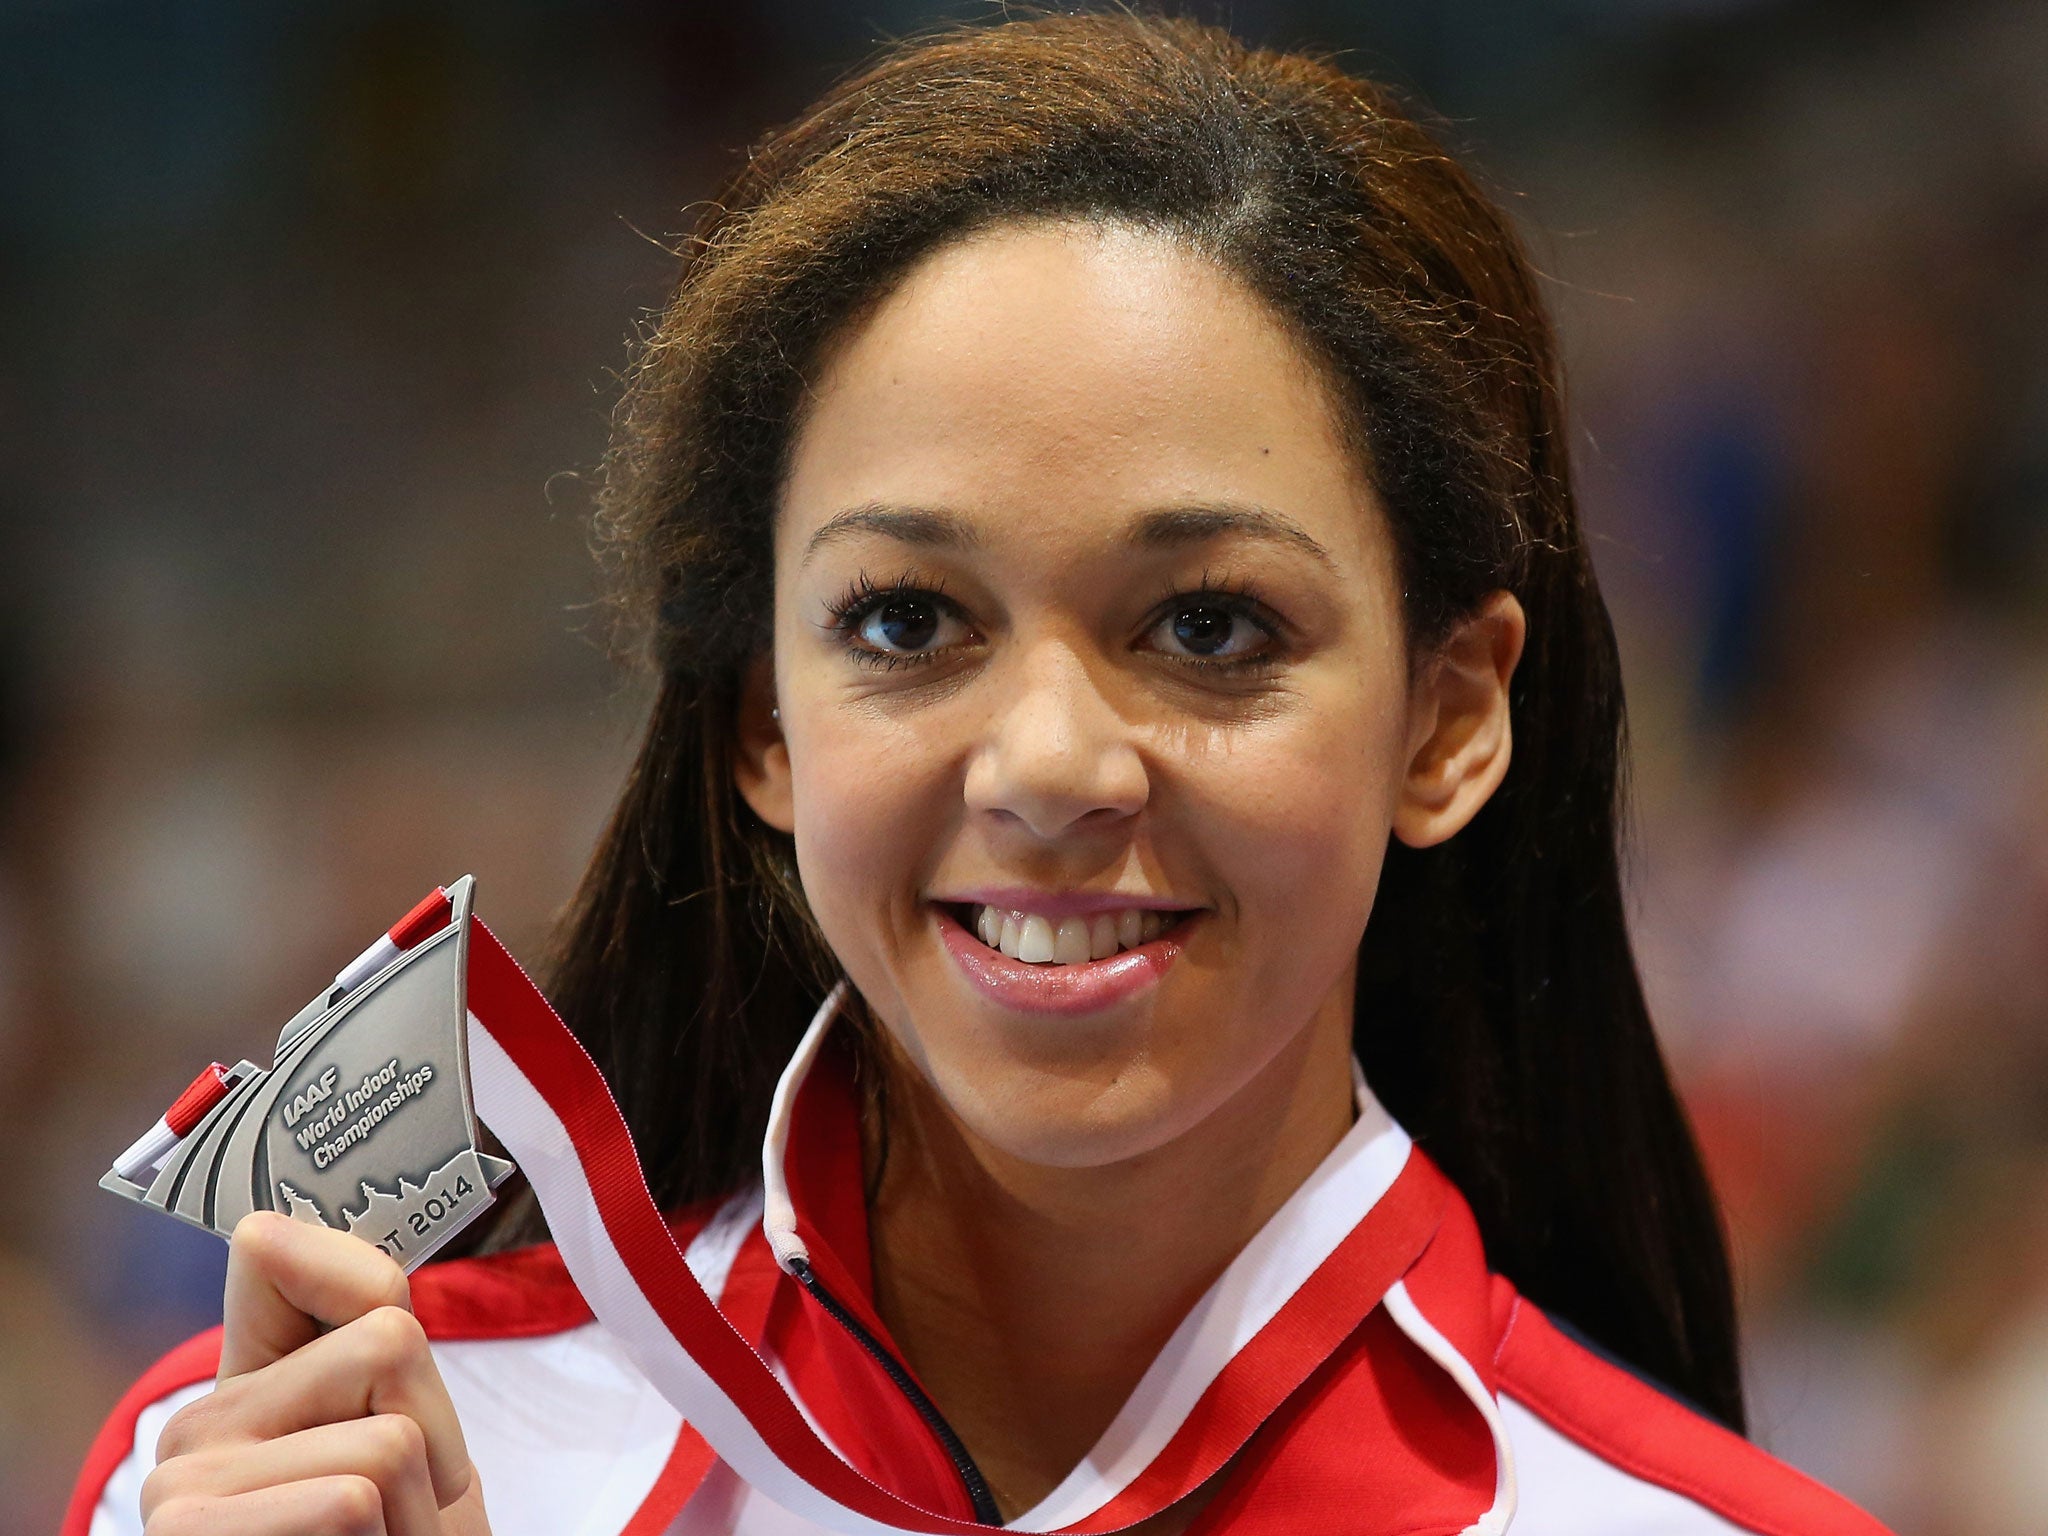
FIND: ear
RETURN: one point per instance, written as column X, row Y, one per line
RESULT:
column 1459, row 739
column 760, row 757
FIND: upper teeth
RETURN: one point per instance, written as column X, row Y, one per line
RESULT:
column 1040, row 940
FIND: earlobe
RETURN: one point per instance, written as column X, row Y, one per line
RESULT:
column 760, row 755
column 1461, row 737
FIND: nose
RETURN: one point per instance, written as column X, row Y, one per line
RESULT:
column 1056, row 751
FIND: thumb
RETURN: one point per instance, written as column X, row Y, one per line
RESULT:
column 289, row 1281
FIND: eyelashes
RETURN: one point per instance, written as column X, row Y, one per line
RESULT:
column 862, row 597
column 860, row 616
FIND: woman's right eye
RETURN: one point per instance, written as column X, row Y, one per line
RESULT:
column 905, row 626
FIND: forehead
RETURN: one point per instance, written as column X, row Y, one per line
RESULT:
column 1060, row 370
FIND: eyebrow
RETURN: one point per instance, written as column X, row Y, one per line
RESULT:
column 1161, row 528
column 927, row 527
column 1172, row 527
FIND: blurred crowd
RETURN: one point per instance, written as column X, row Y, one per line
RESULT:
column 310, row 319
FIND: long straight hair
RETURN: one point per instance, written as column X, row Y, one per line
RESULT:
column 1499, row 1012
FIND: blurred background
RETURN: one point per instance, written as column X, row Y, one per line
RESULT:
column 310, row 318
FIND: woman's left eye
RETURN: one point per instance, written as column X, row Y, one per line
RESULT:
column 1208, row 628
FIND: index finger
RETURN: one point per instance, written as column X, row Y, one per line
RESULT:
column 289, row 1281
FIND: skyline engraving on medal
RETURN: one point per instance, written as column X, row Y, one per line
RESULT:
column 364, row 1120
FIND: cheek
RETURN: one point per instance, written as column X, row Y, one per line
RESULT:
column 1307, row 863
column 1298, row 817
column 869, row 811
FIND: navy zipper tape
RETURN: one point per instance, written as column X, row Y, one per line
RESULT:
column 985, row 1511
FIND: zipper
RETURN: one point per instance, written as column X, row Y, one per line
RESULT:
column 985, row 1511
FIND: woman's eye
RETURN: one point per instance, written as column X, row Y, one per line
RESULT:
column 1209, row 630
column 909, row 624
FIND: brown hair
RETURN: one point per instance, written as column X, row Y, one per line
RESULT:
column 1499, row 1013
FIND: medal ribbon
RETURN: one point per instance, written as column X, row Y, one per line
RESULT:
column 1338, row 1247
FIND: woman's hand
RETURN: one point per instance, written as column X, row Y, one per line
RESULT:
column 329, row 1417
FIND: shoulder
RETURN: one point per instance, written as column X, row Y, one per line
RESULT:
column 556, row 1417
column 1599, row 1449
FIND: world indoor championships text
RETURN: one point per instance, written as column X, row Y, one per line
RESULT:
column 359, row 1130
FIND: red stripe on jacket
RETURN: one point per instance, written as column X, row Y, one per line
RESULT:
column 1639, row 1430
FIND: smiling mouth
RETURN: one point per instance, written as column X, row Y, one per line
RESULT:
column 1035, row 939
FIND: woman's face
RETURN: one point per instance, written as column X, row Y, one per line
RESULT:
column 1095, row 713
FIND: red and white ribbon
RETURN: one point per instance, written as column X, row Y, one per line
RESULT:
column 425, row 920
column 1339, row 1247
column 142, row 1159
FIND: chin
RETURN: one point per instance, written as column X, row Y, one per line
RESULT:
column 1054, row 1120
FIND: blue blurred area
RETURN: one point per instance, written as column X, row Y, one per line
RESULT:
column 135, row 120
column 310, row 316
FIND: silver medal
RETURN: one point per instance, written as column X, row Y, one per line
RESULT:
column 364, row 1120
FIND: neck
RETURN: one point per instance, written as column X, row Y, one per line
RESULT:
column 1030, row 1299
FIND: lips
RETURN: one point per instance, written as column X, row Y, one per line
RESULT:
column 1077, row 988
